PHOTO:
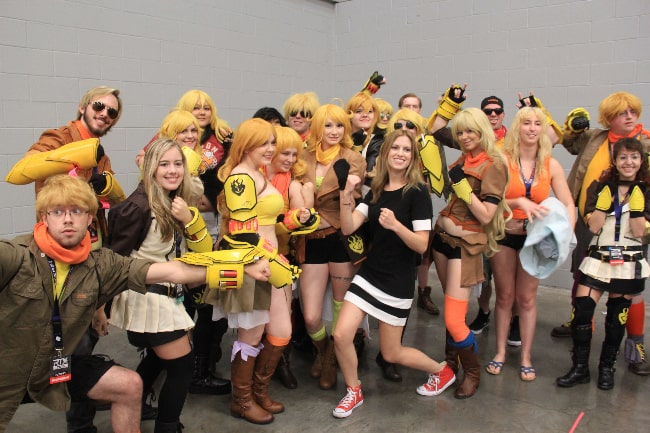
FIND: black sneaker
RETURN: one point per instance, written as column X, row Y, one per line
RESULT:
column 514, row 338
column 480, row 323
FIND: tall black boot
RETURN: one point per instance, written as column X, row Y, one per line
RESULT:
column 205, row 383
column 283, row 370
column 606, row 366
column 579, row 373
column 168, row 427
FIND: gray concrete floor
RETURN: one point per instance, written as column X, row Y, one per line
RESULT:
column 502, row 404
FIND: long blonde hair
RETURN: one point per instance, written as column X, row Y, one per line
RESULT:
column 159, row 200
column 513, row 139
column 473, row 119
column 413, row 173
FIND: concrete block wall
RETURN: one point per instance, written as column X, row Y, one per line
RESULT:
column 254, row 53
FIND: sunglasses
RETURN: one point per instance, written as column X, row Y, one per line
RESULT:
column 305, row 114
column 407, row 125
column 384, row 116
column 99, row 106
column 496, row 111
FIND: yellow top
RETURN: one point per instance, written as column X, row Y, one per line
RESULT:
column 268, row 208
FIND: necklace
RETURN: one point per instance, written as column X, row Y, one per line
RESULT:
column 528, row 183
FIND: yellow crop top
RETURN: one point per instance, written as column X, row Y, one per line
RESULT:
column 268, row 208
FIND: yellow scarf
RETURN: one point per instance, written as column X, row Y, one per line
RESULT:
column 325, row 157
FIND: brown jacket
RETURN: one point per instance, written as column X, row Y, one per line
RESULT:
column 26, row 302
column 327, row 196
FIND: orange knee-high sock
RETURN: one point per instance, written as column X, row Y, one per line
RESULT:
column 455, row 312
column 278, row 341
column 636, row 319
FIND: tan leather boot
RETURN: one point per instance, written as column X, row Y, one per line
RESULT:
column 471, row 373
column 329, row 371
column 242, row 404
column 317, row 366
column 265, row 366
column 425, row 302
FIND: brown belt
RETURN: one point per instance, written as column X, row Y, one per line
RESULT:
column 322, row 233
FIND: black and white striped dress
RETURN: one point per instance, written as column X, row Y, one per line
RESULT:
column 385, row 284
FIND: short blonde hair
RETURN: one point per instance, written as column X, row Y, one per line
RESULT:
column 65, row 190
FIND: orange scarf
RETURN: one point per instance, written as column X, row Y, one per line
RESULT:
column 325, row 157
column 85, row 133
column 55, row 251
column 475, row 161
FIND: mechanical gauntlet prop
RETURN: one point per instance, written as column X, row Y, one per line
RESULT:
column 450, row 104
column 577, row 121
column 196, row 233
column 290, row 222
column 373, row 84
column 225, row 268
column 432, row 163
column 41, row 165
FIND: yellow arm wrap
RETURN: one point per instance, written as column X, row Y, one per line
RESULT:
column 282, row 272
column 463, row 190
column 241, row 199
column 225, row 268
column 549, row 119
column 41, row 165
column 432, row 163
column 196, row 233
column 193, row 160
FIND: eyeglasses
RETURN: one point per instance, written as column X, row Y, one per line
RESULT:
column 304, row 114
column 496, row 111
column 384, row 116
column 59, row 214
column 407, row 125
column 99, row 106
column 630, row 112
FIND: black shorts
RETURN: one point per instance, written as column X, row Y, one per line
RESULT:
column 153, row 339
column 86, row 371
column 326, row 250
column 444, row 248
column 623, row 287
column 516, row 242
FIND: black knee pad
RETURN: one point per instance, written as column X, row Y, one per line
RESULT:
column 583, row 310
column 617, row 311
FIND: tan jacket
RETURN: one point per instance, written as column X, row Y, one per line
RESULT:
column 327, row 196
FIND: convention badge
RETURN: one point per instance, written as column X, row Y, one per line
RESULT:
column 615, row 256
column 178, row 292
column 60, row 368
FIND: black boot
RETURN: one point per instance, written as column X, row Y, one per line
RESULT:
column 579, row 373
column 606, row 367
column 168, row 427
column 283, row 370
column 205, row 383
column 388, row 369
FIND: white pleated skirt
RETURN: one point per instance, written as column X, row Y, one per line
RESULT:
column 149, row 312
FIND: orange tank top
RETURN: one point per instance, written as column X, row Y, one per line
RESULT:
column 539, row 190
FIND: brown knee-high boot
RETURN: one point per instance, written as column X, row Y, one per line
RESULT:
column 265, row 366
column 317, row 366
column 471, row 372
column 329, row 371
column 243, row 405
column 451, row 354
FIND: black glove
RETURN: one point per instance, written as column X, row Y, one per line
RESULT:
column 461, row 95
column 98, row 182
column 456, row 174
column 359, row 137
column 100, row 153
column 342, row 169
column 374, row 83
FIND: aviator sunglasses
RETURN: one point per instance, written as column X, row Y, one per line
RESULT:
column 304, row 114
column 407, row 125
column 99, row 106
column 496, row 111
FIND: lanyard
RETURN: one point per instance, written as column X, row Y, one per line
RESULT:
column 618, row 210
column 528, row 183
column 57, row 329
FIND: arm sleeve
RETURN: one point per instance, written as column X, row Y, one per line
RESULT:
column 127, row 224
column 494, row 181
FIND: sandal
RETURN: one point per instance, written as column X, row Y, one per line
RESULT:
column 494, row 367
column 527, row 374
